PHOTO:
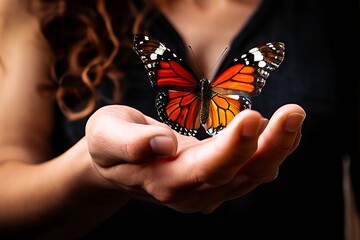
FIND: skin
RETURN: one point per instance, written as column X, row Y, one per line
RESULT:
column 205, row 18
column 124, row 154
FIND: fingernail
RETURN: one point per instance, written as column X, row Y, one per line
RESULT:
column 162, row 145
column 294, row 122
column 263, row 122
column 252, row 128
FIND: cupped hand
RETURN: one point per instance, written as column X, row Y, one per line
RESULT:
column 147, row 160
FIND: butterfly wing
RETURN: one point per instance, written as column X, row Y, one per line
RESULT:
column 246, row 76
column 178, row 100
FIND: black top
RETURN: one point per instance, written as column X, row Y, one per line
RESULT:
column 319, row 73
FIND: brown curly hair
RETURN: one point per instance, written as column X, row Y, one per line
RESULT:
column 91, row 42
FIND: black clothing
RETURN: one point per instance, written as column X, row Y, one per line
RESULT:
column 319, row 73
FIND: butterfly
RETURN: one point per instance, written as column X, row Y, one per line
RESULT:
column 185, row 102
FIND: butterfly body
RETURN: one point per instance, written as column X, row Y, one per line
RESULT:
column 205, row 95
column 186, row 102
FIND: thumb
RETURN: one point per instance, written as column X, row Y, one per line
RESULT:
column 119, row 134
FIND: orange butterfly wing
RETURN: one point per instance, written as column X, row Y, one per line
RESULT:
column 178, row 101
column 185, row 103
column 245, row 77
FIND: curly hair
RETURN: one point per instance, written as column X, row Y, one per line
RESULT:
column 91, row 42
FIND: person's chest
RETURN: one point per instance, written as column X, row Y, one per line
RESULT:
column 208, row 29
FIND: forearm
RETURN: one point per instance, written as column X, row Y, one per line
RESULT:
column 59, row 197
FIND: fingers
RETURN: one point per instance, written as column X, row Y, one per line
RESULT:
column 118, row 134
column 279, row 139
column 198, row 166
column 221, row 156
column 195, row 175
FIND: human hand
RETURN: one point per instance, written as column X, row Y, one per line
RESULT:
column 147, row 160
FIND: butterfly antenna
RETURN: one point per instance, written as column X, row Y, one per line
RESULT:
column 217, row 61
column 213, row 67
column 197, row 63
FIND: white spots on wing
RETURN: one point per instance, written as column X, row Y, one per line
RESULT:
column 272, row 46
column 247, row 62
column 160, row 50
column 258, row 56
column 235, row 97
column 262, row 64
column 253, row 50
column 153, row 56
